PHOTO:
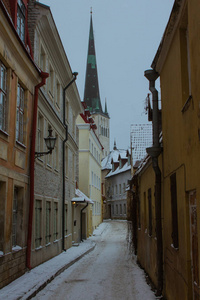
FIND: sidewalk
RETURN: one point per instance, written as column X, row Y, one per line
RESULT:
column 28, row 285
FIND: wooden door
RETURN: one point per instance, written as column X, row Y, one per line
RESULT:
column 194, row 245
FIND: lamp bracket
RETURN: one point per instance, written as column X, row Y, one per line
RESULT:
column 39, row 154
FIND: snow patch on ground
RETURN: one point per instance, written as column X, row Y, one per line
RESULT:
column 31, row 281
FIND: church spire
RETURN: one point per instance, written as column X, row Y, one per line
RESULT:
column 106, row 110
column 91, row 93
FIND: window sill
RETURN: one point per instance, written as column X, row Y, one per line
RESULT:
column 57, row 106
column 4, row 133
column 22, row 146
column 49, row 167
column 39, row 161
column 38, row 248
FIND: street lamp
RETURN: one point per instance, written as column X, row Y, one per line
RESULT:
column 50, row 142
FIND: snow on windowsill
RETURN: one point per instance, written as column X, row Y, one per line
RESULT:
column 16, row 248
column 38, row 248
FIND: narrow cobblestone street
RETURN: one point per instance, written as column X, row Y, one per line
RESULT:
column 108, row 272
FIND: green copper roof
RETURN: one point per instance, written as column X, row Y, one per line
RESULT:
column 91, row 92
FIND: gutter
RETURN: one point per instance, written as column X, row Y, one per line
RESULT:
column 75, row 74
column 154, row 152
column 44, row 76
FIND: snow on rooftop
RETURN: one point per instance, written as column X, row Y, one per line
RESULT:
column 113, row 155
column 141, row 138
column 125, row 168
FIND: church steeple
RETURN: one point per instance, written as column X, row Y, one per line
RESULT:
column 91, row 93
column 106, row 110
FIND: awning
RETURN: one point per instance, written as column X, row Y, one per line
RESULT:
column 81, row 198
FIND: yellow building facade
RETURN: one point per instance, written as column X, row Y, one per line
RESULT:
column 177, row 62
column 90, row 154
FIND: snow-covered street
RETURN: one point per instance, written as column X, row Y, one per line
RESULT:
column 108, row 272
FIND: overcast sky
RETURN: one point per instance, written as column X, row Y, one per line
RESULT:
column 127, row 35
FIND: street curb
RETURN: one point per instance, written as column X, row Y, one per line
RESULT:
column 44, row 284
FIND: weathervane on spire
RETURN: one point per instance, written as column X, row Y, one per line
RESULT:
column 91, row 10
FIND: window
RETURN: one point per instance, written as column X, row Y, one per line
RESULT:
column 51, row 81
column 73, row 167
column 17, row 216
column 58, row 88
column 48, row 222
column 120, row 188
column 92, row 179
column 55, row 223
column 55, row 153
column 120, row 206
column 49, row 156
column 42, row 59
column 145, row 212
column 95, row 180
column 38, row 220
column 14, row 218
column 74, row 126
column 150, row 212
column 66, row 110
column 66, row 161
column 117, row 209
column 174, row 210
column 124, row 208
column 3, row 96
column 40, row 133
column 2, row 212
column 116, row 189
column 21, row 14
column 20, row 114
column 124, row 188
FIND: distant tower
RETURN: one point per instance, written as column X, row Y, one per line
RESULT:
column 92, row 96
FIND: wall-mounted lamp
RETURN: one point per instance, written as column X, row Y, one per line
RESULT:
column 50, row 142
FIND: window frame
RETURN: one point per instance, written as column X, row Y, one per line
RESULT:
column 21, row 20
column 20, row 114
column 3, row 96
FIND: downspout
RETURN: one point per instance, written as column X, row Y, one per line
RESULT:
column 44, row 76
column 154, row 152
column 81, row 221
column 134, row 212
column 63, row 146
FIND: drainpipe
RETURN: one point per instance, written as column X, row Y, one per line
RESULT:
column 63, row 146
column 44, row 76
column 81, row 221
column 154, row 152
column 134, row 218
